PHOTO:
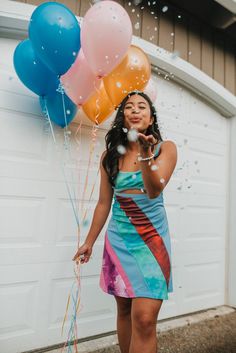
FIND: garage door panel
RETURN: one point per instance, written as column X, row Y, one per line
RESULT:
column 203, row 302
column 203, row 119
column 204, row 220
column 21, row 219
column 18, row 303
column 176, row 104
column 24, row 104
column 22, row 138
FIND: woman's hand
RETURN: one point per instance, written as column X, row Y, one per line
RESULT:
column 83, row 254
column 146, row 141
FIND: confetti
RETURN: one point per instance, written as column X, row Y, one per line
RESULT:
column 165, row 8
column 132, row 135
column 121, row 149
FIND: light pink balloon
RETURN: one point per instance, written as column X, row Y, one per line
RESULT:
column 106, row 35
column 79, row 81
column 151, row 89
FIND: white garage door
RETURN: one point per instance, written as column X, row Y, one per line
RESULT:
column 38, row 230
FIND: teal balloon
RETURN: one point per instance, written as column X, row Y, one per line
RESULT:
column 53, row 105
column 55, row 35
column 31, row 71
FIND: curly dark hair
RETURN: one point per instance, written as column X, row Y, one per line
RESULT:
column 116, row 136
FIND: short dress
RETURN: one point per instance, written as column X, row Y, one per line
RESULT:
column 137, row 248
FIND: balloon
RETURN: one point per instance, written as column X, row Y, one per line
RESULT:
column 106, row 35
column 98, row 107
column 151, row 90
column 55, row 35
column 79, row 81
column 53, row 104
column 131, row 74
column 31, row 71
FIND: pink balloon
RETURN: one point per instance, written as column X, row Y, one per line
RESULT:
column 151, row 90
column 106, row 35
column 79, row 81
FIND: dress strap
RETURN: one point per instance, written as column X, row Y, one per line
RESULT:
column 158, row 149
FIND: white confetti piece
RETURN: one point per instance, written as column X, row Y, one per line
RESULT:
column 121, row 149
column 132, row 135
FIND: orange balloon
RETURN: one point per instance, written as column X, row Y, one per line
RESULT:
column 133, row 73
column 98, row 107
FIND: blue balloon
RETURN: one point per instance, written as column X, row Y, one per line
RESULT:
column 55, row 35
column 31, row 71
column 53, row 105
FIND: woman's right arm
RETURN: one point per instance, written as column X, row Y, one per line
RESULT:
column 100, row 215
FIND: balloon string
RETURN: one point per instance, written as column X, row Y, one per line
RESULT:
column 72, row 203
column 91, row 149
column 63, row 169
column 92, row 145
column 78, row 141
column 72, row 338
column 48, row 119
column 75, row 299
column 61, row 90
column 72, row 334
column 90, row 196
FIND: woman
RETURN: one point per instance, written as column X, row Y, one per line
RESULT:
column 137, row 253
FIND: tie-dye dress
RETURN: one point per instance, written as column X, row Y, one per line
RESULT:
column 137, row 247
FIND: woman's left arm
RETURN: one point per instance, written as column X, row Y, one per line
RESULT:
column 156, row 173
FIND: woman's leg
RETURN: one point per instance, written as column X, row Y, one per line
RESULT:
column 144, row 315
column 124, row 323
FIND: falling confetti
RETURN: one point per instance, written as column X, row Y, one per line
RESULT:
column 132, row 135
column 154, row 167
column 165, row 9
column 162, row 180
column 136, row 2
column 121, row 149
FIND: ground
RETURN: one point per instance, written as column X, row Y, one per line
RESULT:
column 216, row 335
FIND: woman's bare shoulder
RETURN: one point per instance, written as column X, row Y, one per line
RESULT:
column 168, row 144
